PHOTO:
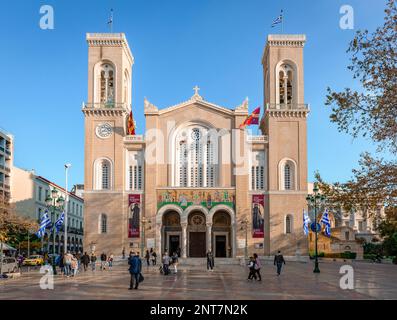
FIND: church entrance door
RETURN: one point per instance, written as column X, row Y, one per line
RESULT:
column 220, row 246
column 197, row 244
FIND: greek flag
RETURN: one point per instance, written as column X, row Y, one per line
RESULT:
column 278, row 20
column 110, row 21
column 44, row 223
column 325, row 221
column 306, row 222
column 60, row 221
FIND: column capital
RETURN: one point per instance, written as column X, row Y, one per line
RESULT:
column 184, row 224
column 209, row 224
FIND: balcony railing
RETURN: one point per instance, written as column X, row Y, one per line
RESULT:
column 258, row 139
column 5, row 168
column 135, row 138
column 286, row 106
column 4, row 185
column 105, row 105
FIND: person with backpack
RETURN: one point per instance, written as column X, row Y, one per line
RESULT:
column 135, row 270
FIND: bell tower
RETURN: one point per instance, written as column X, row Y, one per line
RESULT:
column 106, row 112
column 284, row 123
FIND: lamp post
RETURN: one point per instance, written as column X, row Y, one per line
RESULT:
column 54, row 203
column 244, row 225
column 65, row 244
column 315, row 200
column 144, row 221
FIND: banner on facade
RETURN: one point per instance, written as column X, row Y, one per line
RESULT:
column 258, row 210
column 134, row 206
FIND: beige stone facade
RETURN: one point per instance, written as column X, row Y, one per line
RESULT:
column 195, row 181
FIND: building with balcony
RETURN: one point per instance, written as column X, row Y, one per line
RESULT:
column 195, row 181
column 29, row 194
column 6, row 162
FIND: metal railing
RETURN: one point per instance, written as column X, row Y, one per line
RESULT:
column 258, row 138
column 5, row 168
column 4, row 185
column 135, row 138
column 286, row 106
column 105, row 105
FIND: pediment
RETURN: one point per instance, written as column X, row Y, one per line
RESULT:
column 200, row 103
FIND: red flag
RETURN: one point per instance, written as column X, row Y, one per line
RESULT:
column 131, row 125
column 253, row 118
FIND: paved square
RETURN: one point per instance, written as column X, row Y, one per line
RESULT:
column 372, row 281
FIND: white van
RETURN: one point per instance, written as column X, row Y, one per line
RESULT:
column 9, row 265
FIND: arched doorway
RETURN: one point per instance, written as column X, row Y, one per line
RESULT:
column 172, row 232
column 197, row 234
column 221, row 234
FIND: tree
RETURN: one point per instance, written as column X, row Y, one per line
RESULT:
column 373, row 111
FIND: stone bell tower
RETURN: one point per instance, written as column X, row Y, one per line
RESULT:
column 106, row 111
column 284, row 123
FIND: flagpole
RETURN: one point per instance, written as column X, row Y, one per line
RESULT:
column 282, row 21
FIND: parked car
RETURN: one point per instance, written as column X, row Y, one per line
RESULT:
column 35, row 260
column 9, row 265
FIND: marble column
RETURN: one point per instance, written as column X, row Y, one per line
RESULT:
column 209, row 235
column 158, row 239
column 184, row 240
column 233, row 240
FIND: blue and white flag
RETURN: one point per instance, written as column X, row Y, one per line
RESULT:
column 326, row 222
column 44, row 223
column 306, row 222
column 278, row 20
column 60, row 221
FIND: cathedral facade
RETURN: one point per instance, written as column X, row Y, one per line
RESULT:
column 196, row 180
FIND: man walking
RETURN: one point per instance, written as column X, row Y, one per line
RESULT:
column 135, row 269
column 257, row 266
column 93, row 261
column 85, row 260
column 103, row 261
column 279, row 260
column 166, row 263
column 210, row 261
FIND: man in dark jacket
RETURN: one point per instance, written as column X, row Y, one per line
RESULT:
column 135, row 269
column 85, row 260
column 279, row 260
column 103, row 260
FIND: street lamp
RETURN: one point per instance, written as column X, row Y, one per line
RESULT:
column 54, row 203
column 315, row 200
column 65, row 244
column 144, row 221
column 244, row 225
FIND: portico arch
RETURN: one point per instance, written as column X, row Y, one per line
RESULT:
column 224, row 231
column 161, row 240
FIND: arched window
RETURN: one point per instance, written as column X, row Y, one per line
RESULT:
column 288, row 224
column 286, row 84
column 103, row 226
column 257, row 170
column 287, row 174
column 102, row 174
column 196, row 156
column 107, row 83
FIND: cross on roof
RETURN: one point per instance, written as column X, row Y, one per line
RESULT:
column 196, row 90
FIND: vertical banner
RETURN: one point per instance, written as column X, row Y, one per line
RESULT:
column 258, row 209
column 134, row 205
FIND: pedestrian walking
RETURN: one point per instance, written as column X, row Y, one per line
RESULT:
column 147, row 257
column 123, row 253
column 110, row 261
column 258, row 266
column 85, row 260
column 166, row 263
column 93, row 261
column 103, row 261
column 251, row 267
column 154, row 256
column 210, row 261
column 175, row 261
column 74, row 266
column 68, row 263
column 279, row 260
column 135, row 270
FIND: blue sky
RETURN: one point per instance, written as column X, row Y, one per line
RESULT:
column 216, row 44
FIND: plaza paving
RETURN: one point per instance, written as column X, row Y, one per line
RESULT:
column 372, row 281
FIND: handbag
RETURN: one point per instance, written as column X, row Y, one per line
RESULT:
column 141, row 278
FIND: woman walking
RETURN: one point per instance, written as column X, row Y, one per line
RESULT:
column 251, row 266
column 257, row 267
column 175, row 262
column 110, row 261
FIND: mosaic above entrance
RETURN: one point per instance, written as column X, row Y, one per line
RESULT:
column 187, row 197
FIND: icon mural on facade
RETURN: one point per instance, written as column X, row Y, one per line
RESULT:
column 187, row 197
column 134, row 205
column 258, row 209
